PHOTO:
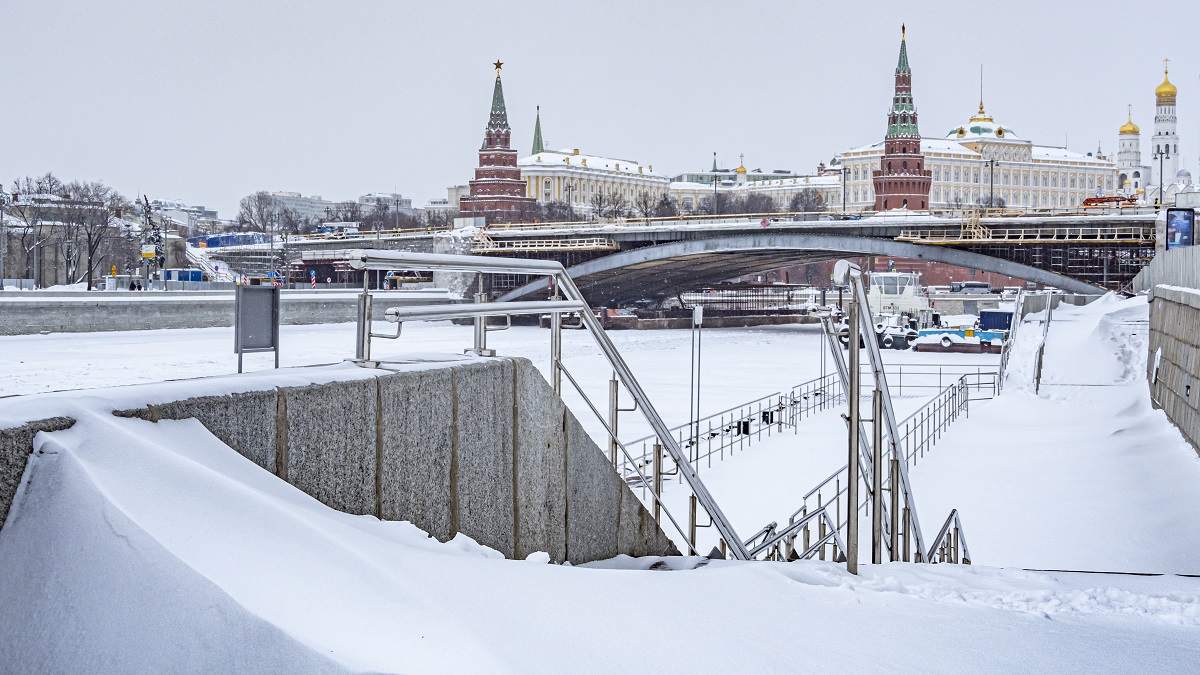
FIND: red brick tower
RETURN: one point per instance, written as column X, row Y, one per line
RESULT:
column 498, row 192
column 901, row 180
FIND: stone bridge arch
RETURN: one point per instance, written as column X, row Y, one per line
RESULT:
column 664, row 268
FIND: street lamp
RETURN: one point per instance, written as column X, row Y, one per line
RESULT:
column 715, row 209
column 1161, row 153
column 845, row 175
column 991, row 183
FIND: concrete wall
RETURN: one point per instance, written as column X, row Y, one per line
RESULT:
column 25, row 312
column 1173, row 366
column 482, row 447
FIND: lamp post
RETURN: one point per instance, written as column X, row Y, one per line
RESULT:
column 1160, row 154
column 4, row 200
column 714, row 178
column 991, row 183
column 845, row 174
column 568, row 188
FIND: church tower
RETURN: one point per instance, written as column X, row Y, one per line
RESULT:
column 901, row 181
column 1131, row 173
column 497, row 193
column 1165, row 140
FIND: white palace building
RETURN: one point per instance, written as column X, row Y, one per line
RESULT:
column 981, row 157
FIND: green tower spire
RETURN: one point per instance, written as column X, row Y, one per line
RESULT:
column 902, row 64
column 537, row 133
column 498, row 120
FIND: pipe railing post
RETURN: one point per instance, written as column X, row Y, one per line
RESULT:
column 658, row 476
column 613, row 408
column 556, row 351
column 895, row 512
column 852, row 477
column 877, row 477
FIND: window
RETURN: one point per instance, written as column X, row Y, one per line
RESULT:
column 904, row 167
column 975, row 176
column 856, row 173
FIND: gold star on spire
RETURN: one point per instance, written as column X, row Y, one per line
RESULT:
column 498, row 65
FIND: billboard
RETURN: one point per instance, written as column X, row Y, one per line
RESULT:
column 1181, row 227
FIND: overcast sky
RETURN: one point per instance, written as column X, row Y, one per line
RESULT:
column 208, row 100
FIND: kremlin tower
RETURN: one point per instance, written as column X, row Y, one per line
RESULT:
column 498, row 192
column 901, row 181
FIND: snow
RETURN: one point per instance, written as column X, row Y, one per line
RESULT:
column 145, row 546
column 142, row 546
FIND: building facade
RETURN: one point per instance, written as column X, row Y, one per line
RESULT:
column 902, row 181
column 497, row 193
column 981, row 162
column 580, row 180
column 695, row 191
column 311, row 208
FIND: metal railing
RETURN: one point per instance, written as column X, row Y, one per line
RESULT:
column 919, row 432
column 1013, row 326
column 560, row 282
column 734, row 429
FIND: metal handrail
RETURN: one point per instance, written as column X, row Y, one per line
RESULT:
column 1014, row 324
column 948, row 541
column 380, row 259
column 469, row 310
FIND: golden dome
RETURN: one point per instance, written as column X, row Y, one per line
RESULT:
column 1166, row 89
column 1129, row 128
column 741, row 164
column 982, row 116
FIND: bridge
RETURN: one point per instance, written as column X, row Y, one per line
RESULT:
column 1081, row 250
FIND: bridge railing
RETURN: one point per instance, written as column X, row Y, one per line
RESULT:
column 850, row 216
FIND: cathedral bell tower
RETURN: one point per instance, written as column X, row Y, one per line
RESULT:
column 901, row 181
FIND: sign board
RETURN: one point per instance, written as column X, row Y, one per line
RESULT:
column 1181, row 227
column 147, row 250
column 256, row 321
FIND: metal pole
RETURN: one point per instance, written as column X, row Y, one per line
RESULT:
column 895, row 489
column 692, row 521
column 852, row 477
column 877, row 477
column 613, row 392
column 658, row 476
column 556, row 351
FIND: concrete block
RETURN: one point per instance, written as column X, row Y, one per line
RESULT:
column 245, row 421
column 482, row 476
column 331, row 443
column 541, row 466
column 417, row 445
column 593, row 498
column 16, row 444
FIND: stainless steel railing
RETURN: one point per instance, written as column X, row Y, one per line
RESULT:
column 561, row 282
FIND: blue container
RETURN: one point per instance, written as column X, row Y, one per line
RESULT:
column 994, row 319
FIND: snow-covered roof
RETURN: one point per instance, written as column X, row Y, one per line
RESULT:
column 828, row 180
column 1050, row 153
column 594, row 162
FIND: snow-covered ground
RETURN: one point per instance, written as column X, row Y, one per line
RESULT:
column 155, row 547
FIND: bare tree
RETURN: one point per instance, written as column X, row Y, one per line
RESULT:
column 807, row 200
column 344, row 212
column 559, row 212
column 645, row 204
column 756, row 202
column 34, row 199
column 259, row 211
column 608, row 205
column 292, row 222
column 88, row 211
column 666, row 208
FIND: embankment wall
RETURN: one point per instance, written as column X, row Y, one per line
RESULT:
column 478, row 446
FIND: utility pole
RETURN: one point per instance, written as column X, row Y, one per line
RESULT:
column 991, row 183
